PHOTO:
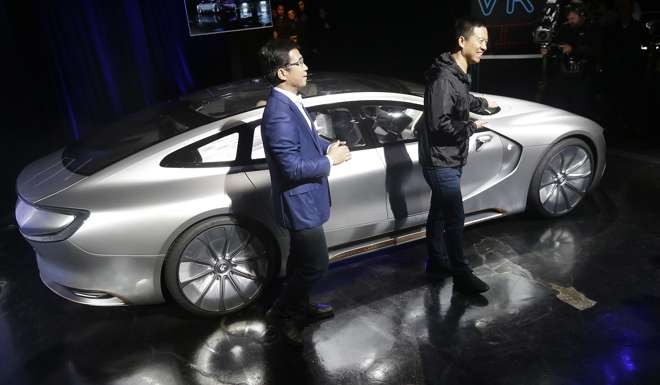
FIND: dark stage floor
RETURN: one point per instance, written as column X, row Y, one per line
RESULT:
column 573, row 301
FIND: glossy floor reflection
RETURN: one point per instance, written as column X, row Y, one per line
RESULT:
column 573, row 301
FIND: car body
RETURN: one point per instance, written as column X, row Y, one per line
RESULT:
column 176, row 199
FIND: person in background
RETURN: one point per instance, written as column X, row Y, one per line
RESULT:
column 280, row 23
column 295, row 33
column 576, row 57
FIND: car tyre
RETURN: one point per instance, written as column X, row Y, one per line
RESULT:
column 561, row 179
column 218, row 266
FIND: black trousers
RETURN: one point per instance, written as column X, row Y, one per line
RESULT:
column 306, row 265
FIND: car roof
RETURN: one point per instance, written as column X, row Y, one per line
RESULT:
column 243, row 95
column 138, row 131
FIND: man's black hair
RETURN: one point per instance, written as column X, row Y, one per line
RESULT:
column 465, row 27
column 273, row 56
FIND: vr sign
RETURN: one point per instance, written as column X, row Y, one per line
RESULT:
column 487, row 6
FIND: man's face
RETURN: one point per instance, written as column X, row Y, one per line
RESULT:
column 301, row 6
column 280, row 10
column 475, row 46
column 574, row 20
column 294, row 74
column 291, row 14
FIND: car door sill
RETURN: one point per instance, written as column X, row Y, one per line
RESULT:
column 399, row 238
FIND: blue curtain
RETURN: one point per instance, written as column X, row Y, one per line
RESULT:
column 111, row 58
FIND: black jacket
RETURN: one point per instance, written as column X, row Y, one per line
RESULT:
column 443, row 142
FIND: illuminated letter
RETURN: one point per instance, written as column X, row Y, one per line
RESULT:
column 511, row 5
column 487, row 6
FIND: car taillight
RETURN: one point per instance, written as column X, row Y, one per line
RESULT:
column 47, row 224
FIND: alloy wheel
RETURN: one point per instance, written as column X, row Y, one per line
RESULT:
column 565, row 180
column 223, row 269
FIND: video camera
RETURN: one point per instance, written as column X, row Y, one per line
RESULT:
column 549, row 24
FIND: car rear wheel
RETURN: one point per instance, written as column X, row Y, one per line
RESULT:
column 562, row 178
column 217, row 267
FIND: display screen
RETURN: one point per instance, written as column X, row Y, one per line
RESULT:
column 218, row 16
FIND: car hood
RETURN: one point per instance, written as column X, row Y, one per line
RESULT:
column 45, row 177
column 534, row 124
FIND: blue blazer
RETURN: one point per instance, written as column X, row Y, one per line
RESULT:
column 298, row 166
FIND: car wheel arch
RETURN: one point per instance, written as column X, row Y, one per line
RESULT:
column 586, row 139
column 261, row 230
column 552, row 150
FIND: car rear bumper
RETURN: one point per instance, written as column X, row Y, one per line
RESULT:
column 98, row 280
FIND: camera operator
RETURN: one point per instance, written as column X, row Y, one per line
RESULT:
column 574, row 55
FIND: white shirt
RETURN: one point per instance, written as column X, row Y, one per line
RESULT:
column 298, row 101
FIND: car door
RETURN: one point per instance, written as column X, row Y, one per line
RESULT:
column 394, row 127
column 391, row 125
column 485, row 157
column 356, row 187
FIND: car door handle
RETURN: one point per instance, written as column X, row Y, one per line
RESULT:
column 483, row 139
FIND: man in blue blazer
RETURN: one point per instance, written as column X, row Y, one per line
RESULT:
column 299, row 162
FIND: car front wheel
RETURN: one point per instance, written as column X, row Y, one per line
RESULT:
column 562, row 178
column 217, row 267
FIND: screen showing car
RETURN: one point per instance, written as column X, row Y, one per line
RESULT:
column 218, row 16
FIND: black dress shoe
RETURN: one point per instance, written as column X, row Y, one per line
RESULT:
column 292, row 332
column 469, row 283
column 282, row 327
column 319, row 311
column 464, row 300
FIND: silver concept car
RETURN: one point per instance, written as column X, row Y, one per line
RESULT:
column 175, row 201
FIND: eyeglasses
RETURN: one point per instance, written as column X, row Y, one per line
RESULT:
column 300, row 62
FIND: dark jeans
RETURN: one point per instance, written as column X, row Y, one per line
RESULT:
column 307, row 262
column 444, row 225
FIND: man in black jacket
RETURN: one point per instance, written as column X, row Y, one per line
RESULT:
column 443, row 151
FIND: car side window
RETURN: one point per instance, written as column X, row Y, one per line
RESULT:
column 390, row 123
column 338, row 123
column 221, row 150
column 217, row 150
column 257, row 145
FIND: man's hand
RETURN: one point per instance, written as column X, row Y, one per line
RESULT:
column 480, row 123
column 335, row 144
column 544, row 51
column 338, row 152
column 566, row 48
column 492, row 104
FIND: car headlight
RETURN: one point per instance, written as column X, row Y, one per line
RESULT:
column 47, row 224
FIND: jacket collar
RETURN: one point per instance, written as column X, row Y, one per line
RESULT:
column 301, row 119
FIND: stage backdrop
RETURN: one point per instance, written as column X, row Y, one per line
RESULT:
column 510, row 24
